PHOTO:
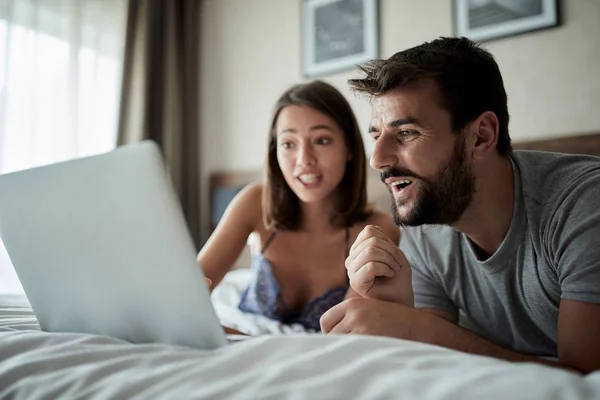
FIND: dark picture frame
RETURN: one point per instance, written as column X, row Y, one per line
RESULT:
column 338, row 34
column 484, row 20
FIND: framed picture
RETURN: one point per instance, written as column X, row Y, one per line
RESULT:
column 482, row 20
column 338, row 34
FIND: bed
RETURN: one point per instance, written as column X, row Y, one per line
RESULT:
column 280, row 361
column 283, row 362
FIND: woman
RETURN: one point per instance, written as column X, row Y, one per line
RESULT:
column 306, row 214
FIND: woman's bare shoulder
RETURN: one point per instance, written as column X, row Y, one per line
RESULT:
column 253, row 191
column 247, row 205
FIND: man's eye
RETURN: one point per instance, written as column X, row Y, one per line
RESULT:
column 375, row 137
column 285, row 145
column 407, row 132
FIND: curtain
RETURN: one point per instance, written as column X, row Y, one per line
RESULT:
column 159, row 97
column 60, row 82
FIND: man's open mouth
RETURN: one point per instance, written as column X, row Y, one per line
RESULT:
column 399, row 186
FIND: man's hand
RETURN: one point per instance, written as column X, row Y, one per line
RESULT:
column 371, row 317
column 378, row 269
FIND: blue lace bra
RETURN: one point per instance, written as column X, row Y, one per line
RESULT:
column 263, row 296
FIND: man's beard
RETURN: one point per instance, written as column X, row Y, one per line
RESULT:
column 440, row 201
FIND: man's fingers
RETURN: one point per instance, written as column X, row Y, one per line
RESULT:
column 363, row 280
column 372, row 236
column 373, row 254
column 349, row 320
column 375, row 249
column 341, row 328
column 332, row 317
column 367, row 232
column 374, row 269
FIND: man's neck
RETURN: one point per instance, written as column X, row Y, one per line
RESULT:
column 487, row 220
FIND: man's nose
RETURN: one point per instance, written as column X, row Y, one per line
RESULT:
column 385, row 153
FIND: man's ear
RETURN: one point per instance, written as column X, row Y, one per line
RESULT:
column 484, row 131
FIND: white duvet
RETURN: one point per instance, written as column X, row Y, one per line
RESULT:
column 39, row 365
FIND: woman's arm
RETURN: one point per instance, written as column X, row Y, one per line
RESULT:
column 225, row 245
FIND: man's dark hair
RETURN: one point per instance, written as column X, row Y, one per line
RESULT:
column 468, row 78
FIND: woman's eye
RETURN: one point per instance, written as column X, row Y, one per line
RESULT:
column 323, row 141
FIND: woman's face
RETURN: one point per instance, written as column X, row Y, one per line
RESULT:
column 311, row 152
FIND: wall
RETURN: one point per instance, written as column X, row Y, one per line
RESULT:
column 251, row 53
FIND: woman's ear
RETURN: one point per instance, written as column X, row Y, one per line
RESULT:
column 485, row 130
column 348, row 157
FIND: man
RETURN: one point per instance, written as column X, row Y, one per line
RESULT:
column 511, row 240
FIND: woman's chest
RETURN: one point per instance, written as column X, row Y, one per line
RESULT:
column 305, row 270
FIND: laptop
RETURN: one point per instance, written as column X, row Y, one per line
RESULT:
column 101, row 246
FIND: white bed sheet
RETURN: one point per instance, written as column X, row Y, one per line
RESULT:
column 39, row 365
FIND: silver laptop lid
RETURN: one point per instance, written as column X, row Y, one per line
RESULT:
column 101, row 246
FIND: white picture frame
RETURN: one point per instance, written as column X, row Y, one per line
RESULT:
column 483, row 20
column 338, row 34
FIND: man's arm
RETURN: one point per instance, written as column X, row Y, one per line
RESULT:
column 375, row 317
column 448, row 316
column 572, row 243
column 578, row 346
column 579, row 335
column 443, row 332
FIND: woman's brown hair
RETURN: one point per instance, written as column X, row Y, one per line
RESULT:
column 281, row 206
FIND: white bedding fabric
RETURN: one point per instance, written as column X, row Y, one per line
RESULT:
column 226, row 298
column 39, row 365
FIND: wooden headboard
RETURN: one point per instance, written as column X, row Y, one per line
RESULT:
column 580, row 144
column 225, row 185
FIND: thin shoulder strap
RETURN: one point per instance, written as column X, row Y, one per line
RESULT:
column 347, row 242
column 268, row 242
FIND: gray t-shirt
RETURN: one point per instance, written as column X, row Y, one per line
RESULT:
column 551, row 252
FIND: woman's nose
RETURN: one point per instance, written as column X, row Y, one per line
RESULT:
column 306, row 156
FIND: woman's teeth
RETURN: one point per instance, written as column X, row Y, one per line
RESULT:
column 308, row 178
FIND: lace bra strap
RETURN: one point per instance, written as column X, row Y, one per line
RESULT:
column 268, row 242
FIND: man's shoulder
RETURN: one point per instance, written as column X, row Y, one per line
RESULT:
column 557, row 167
column 546, row 176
